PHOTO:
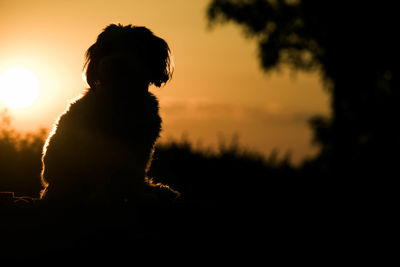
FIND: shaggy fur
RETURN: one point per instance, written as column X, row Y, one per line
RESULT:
column 101, row 146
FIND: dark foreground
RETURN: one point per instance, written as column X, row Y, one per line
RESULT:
column 290, row 228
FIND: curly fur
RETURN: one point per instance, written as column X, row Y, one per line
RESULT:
column 101, row 146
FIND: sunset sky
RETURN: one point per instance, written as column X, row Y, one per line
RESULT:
column 218, row 88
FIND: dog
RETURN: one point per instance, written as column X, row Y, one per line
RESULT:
column 101, row 147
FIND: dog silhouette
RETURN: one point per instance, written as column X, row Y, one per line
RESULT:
column 101, row 147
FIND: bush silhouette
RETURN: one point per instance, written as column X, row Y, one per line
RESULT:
column 20, row 161
column 222, row 191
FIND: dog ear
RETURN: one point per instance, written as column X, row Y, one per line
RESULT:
column 95, row 52
column 90, row 66
column 155, row 55
column 160, row 62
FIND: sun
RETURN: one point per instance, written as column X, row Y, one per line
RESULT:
column 19, row 88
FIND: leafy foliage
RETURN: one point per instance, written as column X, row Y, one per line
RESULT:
column 279, row 28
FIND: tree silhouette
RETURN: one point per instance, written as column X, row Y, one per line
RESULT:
column 354, row 47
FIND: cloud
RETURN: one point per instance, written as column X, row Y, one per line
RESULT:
column 201, row 109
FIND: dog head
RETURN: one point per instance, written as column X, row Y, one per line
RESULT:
column 128, row 54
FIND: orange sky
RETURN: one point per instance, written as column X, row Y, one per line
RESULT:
column 218, row 88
